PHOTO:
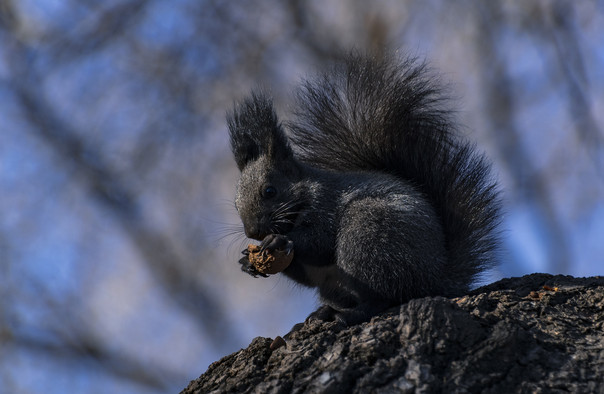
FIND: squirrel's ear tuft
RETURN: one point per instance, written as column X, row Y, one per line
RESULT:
column 255, row 131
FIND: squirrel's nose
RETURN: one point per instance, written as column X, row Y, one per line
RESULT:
column 252, row 235
column 253, row 232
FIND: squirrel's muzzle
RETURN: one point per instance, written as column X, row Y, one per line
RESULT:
column 253, row 231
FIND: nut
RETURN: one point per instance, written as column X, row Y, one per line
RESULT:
column 269, row 263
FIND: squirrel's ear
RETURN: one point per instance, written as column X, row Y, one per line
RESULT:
column 255, row 131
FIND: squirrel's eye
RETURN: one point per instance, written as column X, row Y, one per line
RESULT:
column 269, row 192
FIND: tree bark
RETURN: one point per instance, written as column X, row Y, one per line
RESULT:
column 537, row 333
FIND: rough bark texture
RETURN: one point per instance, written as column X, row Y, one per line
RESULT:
column 538, row 333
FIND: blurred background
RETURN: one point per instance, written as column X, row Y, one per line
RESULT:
column 118, row 233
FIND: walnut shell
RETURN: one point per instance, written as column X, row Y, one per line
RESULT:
column 269, row 263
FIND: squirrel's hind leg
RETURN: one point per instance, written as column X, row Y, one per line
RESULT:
column 361, row 313
column 344, row 317
column 349, row 302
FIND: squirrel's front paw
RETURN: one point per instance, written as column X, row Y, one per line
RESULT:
column 248, row 268
column 274, row 242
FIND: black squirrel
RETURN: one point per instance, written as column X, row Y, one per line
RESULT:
column 371, row 186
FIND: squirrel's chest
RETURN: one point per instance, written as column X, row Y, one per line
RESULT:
column 321, row 276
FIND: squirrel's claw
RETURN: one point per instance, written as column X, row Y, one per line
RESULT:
column 274, row 242
column 248, row 268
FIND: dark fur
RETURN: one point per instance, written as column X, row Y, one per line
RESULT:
column 377, row 196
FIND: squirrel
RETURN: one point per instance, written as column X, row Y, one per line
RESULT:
column 370, row 184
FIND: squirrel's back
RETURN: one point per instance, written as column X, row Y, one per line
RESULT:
column 389, row 116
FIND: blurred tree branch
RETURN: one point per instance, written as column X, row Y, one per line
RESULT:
column 561, row 32
column 115, row 195
column 93, row 172
column 76, row 348
column 501, row 108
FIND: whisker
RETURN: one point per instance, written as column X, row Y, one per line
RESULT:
column 283, row 209
column 241, row 243
column 284, row 221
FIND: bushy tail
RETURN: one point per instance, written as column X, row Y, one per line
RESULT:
column 389, row 116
